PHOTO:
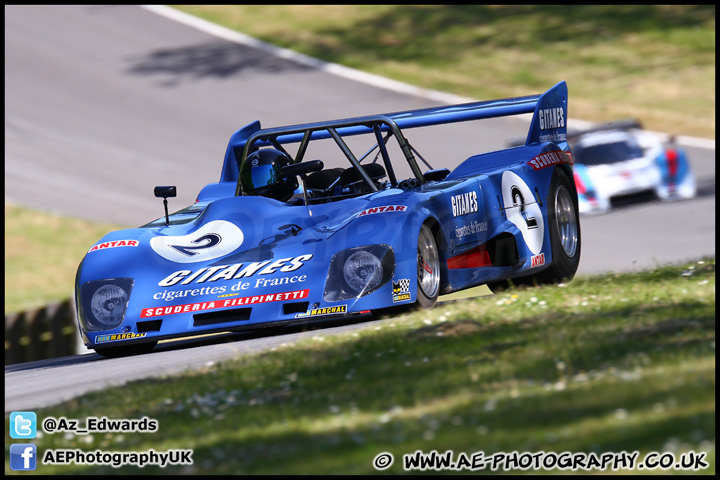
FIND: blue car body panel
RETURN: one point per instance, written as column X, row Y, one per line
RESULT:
column 234, row 261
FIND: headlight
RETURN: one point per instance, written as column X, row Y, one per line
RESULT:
column 359, row 271
column 108, row 304
column 363, row 271
column 104, row 302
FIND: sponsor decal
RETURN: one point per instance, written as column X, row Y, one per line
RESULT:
column 471, row 229
column 401, row 290
column 230, row 302
column 551, row 118
column 316, row 312
column 118, row 336
column 170, row 295
column 236, row 271
column 215, row 239
column 549, row 159
column 553, row 137
column 113, row 244
column 383, row 209
column 221, row 290
column 274, row 282
column 464, row 203
column 537, row 260
column 522, row 210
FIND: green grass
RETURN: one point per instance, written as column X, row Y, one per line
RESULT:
column 42, row 253
column 655, row 62
column 623, row 362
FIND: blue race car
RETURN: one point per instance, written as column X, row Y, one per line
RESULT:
column 284, row 238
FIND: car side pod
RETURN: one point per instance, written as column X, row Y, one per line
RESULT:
column 164, row 193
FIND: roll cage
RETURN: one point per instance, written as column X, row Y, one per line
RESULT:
column 380, row 126
column 386, row 126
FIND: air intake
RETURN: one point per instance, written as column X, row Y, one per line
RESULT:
column 295, row 307
column 224, row 316
column 150, row 326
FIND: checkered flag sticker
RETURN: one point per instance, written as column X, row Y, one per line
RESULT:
column 401, row 286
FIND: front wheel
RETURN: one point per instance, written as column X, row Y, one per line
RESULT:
column 428, row 269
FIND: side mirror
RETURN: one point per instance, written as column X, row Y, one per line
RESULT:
column 164, row 193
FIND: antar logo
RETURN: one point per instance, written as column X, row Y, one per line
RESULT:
column 551, row 118
column 537, row 260
column 116, row 243
column 383, row 209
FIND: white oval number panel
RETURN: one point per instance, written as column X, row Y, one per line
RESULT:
column 213, row 240
column 522, row 210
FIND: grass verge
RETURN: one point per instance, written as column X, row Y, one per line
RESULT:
column 42, row 253
column 622, row 362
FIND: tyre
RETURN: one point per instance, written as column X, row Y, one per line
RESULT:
column 564, row 224
column 428, row 268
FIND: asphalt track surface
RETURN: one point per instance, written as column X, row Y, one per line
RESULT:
column 102, row 103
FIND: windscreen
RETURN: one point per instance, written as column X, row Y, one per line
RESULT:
column 606, row 149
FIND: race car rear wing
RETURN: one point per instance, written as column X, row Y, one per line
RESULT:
column 548, row 124
column 624, row 124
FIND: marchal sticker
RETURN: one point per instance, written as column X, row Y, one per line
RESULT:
column 522, row 210
column 319, row 312
column 119, row 336
column 216, row 239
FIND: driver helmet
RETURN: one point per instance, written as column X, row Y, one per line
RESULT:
column 260, row 175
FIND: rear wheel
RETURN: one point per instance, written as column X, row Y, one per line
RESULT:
column 564, row 221
column 428, row 268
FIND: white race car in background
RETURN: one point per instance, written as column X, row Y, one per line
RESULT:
column 619, row 160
